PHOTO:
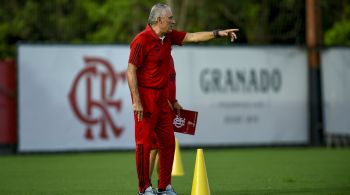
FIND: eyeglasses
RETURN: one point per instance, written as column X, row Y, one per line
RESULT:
column 169, row 17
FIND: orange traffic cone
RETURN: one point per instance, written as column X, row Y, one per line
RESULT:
column 177, row 164
column 200, row 184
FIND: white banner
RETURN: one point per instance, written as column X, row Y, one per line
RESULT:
column 336, row 90
column 77, row 97
column 244, row 96
column 74, row 98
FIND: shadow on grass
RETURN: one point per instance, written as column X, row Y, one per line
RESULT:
column 308, row 191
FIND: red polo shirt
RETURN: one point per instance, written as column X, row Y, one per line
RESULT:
column 152, row 57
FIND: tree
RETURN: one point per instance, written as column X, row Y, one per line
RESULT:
column 110, row 21
column 337, row 29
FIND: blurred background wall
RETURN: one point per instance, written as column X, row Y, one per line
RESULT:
column 261, row 23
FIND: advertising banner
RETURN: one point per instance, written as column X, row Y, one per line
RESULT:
column 244, row 96
column 76, row 97
column 336, row 90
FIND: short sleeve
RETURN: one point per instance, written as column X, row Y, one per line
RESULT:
column 177, row 37
column 136, row 56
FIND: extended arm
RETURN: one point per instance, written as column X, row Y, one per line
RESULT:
column 206, row 36
column 132, row 81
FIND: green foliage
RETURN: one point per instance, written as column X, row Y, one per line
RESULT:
column 338, row 32
column 118, row 21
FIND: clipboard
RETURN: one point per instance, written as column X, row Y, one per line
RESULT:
column 185, row 122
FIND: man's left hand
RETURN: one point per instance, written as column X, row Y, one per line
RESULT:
column 229, row 33
column 178, row 107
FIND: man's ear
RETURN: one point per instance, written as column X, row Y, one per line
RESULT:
column 159, row 20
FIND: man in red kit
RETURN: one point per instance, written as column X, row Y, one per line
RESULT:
column 148, row 68
column 173, row 104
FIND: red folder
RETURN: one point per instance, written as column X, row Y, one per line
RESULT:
column 185, row 122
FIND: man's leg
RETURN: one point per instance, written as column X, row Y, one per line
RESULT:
column 152, row 161
column 144, row 130
column 166, row 139
column 142, row 164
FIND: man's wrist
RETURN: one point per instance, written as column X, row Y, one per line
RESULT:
column 216, row 33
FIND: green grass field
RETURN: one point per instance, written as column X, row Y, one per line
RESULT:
column 230, row 171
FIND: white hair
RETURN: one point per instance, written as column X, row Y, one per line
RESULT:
column 157, row 11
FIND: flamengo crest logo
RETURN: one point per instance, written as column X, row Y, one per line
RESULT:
column 179, row 122
column 97, row 75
